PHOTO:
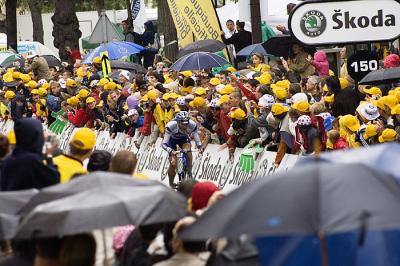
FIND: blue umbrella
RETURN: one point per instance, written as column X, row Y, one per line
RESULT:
column 251, row 49
column 383, row 157
column 198, row 61
column 116, row 50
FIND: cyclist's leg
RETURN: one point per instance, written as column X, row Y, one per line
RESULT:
column 171, row 169
column 187, row 146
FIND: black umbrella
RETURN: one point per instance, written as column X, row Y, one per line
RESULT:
column 83, row 183
column 116, row 64
column 12, row 201
column 10, row 204
column 319, row 197
column 381, row 76
column 52, row 61
column 103, row 207
column 210, row 46
column 281, row 46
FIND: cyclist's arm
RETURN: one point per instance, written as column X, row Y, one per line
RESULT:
column 167, row 137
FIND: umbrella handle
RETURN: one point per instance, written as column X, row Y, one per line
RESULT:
column 323, row 249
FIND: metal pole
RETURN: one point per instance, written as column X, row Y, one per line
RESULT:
column 255, row 20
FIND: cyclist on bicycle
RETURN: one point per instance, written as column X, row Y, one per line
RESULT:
column 177, row 134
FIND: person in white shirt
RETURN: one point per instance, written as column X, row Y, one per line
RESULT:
column 230, row 25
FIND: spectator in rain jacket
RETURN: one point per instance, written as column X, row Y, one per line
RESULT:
column 24, row 168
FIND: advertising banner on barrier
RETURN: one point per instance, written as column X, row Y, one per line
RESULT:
column 183, row 30
column 213, row 165
column 356, row 21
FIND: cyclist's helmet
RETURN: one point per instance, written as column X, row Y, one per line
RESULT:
column 181, row 101
column 182, row 116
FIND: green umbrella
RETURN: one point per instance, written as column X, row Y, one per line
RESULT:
column 7, row 58
column 247, row 158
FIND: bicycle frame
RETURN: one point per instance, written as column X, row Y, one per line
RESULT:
column 181, row 165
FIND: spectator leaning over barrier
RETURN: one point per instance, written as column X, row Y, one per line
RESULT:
column 80, row 148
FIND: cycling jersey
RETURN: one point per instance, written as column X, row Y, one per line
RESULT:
column 175, row 136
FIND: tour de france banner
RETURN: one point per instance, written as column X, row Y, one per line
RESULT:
column 183, row 30
column 213, row 165
column 357, row 21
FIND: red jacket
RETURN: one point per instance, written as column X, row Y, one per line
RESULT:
column 145, row 130
column 224, row 122
column 340, row 144
column 249, row 95
column 81, row 117
column 75, row 54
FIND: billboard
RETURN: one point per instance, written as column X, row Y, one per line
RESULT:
column 332, row 22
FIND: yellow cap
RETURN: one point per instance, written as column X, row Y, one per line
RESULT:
column 11, row 138
column 264, row 79
column 166, row 96
column 370, row 131
column 145, row 98
column 45, row 85
column 97, row 60
column 379, row 103
column 9, row 95
column 42, row 91
column 351, row 122
column 283, row 83
column 231, row 69
column 174, row 95
column 8, row 78
column 73, row 101
column 168, row 81
column 344, row 83
column 83, row 93
column 102, row 82
column 373, row 91
column 186, row 90
column 396, row 110
column 84, row 139
column 16, row 75
column 215, row 81
column 187, row 73
column 302, row 106
column 25, row 78
column 90, row 100
column 228, row 89
column 199, row 102
column 388, row 135
column 152, row 94
column 223, row 99
column 238, row 114
column 71, row 83
column 390, row 101
column 278, row 109
column 280, row 93
column 35, row 91
column 32, row 84
column 329, row 99
column 200, row 91
column 110, row 85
